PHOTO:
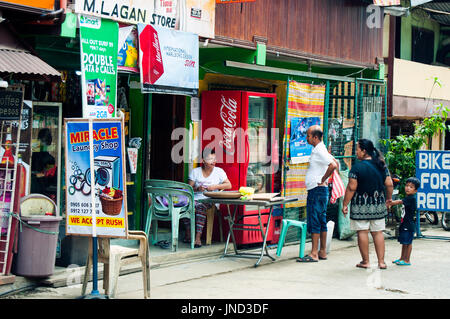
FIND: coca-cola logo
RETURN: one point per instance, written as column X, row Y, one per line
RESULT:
column 228, row 115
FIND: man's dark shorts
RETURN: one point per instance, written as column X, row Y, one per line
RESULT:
column 316, row 210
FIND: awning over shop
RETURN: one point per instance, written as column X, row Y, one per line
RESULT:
column 18, row 62
column 25, row 63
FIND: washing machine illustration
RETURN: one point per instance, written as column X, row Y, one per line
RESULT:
column 107, row 171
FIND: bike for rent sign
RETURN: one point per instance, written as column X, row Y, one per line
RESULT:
column 108, row 185
column 433, row 171
column 99, row 49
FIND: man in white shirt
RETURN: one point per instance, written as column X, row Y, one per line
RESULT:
column 321, row 166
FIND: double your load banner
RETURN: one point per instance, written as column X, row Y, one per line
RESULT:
column 109, row 178
column 99, row 48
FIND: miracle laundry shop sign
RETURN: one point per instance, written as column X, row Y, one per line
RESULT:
column 10, row 104
column 109, row 183
column 168, row 60
column 433, row 171
column 99, row 48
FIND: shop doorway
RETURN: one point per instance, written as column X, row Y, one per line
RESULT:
column 168, row 113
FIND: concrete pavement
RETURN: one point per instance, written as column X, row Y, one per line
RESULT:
column 212, row 277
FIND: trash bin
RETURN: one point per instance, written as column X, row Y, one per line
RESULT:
column 38, row 236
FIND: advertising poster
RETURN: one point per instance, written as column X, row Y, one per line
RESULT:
column 109, row 184
column 127, row 58
column 168, row 60
column 99, row 49
column 300, row 150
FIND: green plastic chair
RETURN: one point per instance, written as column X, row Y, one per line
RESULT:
column 156, row 211
column 286, row 223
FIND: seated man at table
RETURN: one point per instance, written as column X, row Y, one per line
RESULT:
column 209, row 178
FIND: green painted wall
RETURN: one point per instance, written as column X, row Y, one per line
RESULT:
column 416, row 19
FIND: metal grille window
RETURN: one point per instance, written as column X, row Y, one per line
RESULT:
column 354, row 110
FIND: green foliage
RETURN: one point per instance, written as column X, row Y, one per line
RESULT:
column 401, row 154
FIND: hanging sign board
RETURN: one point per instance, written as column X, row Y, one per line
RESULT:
column 433, row 171
column 168, row 61
column 110, row 189
column 99, row 48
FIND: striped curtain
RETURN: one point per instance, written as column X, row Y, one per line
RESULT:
column 304, row 100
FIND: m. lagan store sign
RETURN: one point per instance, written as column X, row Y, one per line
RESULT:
column 160, row 13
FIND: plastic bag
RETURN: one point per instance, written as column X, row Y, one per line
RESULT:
column 178, row 200
column 344, row 222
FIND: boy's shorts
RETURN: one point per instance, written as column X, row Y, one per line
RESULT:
column 368, row 224
column 405, row 237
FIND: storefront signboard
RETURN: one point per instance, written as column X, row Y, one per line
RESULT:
column 110, row 189
column 160, row 13
column 99, row 49
column 168, row 60
column 433, row 172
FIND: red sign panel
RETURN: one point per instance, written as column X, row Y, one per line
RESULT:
column 233, row 1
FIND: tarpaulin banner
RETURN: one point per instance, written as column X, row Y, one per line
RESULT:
column 168, row 60
column 386, row 2
column 99, row 47
column 109, row 182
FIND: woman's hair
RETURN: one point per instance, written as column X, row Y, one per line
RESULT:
column 45, row 136
column 377, row 158
column 207, row 152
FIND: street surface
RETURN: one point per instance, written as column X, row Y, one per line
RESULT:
column 335, row 278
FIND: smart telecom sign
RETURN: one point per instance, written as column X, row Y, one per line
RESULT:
column 433, row 171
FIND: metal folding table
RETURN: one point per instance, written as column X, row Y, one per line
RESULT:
column 234, row 225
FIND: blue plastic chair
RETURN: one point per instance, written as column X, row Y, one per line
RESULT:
column 157, row 211
column 286, row 223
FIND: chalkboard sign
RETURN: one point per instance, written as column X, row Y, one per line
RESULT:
column 10, row 105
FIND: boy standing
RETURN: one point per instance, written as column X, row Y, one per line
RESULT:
column 407, row 225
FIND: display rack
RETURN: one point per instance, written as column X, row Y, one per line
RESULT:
column 9, row 202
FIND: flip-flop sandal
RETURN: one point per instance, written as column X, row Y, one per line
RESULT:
column 307, row 259
column 323, row 258
column 360, row 265
column 395, row 261
column 385, row 267
column 403, row 263
column 164, row 244
column 197, row 245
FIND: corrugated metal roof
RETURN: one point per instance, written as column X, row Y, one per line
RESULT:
column 439, row 6
column 23, row 62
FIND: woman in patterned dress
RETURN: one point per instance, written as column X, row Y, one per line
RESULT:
column 369, row 192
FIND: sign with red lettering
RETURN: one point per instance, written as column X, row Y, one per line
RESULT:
column 108, row 183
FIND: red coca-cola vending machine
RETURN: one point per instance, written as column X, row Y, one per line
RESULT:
column 240, row 126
